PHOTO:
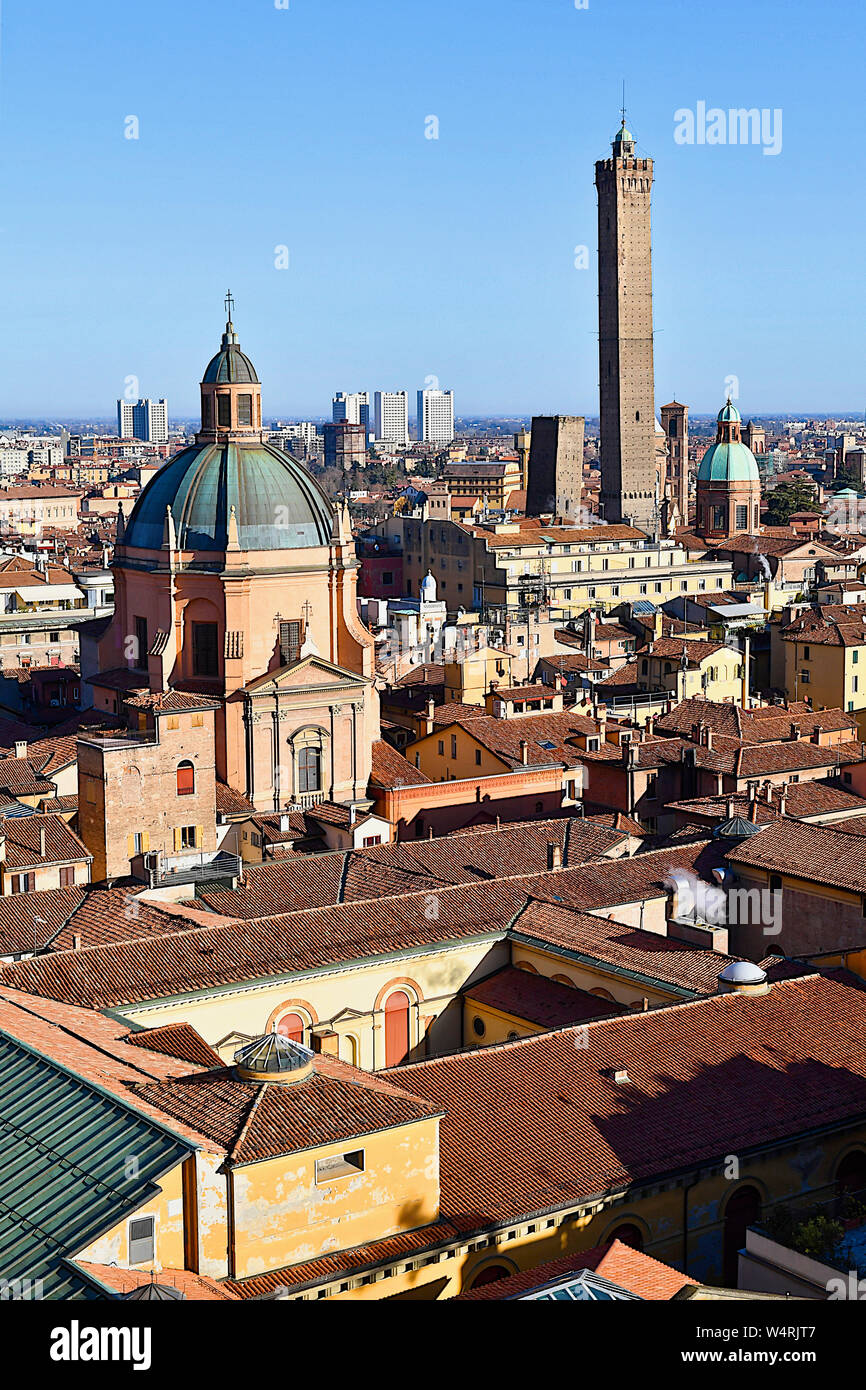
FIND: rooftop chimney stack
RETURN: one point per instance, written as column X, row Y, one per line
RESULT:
column 554, row 855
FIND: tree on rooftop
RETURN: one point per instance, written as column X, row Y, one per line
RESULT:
column 788, row 498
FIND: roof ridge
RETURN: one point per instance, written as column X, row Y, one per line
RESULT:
column 245, row 1127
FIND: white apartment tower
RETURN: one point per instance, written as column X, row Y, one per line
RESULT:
column 351, row 406
column 436, row 416
column 391, row 411
column 144, row 419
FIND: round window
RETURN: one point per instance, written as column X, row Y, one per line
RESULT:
column 479, row 1027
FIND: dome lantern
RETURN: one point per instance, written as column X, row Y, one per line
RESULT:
column 231, row 396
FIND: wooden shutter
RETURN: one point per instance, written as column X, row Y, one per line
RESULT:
column 396, row 1027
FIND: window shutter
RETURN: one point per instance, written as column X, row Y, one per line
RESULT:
column 199, row 836
column 177, row 841
column 145, row 841
column 290, row 641
column 130, row 846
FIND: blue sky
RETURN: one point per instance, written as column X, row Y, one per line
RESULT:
column 305, row 127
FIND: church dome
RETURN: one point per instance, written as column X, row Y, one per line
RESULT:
column 728, row 462
column 278, row 505
column 729, row 413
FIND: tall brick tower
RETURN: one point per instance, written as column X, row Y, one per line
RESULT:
column 625, row 335
column 675, row 423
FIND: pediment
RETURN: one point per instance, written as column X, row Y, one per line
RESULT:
column 309, row 672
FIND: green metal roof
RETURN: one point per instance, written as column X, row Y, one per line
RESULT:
column 278, row 503
column 728, row 463
column 728, row 412
column 66, row 1175
column 230, row 364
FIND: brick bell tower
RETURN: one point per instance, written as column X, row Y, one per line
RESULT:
column 675, row 423
column 625, row 335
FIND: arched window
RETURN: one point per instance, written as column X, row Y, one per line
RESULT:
column 628, row 1235
column 851, row 1174
column 742, row 1211
column 603, row 994
column 349, row 1049
column 489, row 1274
column 185, row 779
column 291, row 1026
column 396, row 1027
column 563, row 980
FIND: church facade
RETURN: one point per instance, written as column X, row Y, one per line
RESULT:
column 235, row 579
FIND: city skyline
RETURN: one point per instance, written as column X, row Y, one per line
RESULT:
column 491, row 216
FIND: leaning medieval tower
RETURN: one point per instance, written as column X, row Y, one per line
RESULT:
column 625, row 336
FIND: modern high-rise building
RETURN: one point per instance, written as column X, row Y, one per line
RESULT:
column 391, row 416
column 436, row 416
column 675, row 423
column 555, row 473
column 625, row 336
column 352, row 406
column 143, row 419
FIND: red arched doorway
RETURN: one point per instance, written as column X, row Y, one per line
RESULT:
column 629, row 1235
column 396, row 1027
column 291, row 1026
column 743, row 1210
column 489, row 1274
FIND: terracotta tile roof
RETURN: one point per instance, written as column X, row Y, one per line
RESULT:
column 185, row 962
column 105, row 915
column 196, row 1287
column 830, row 625
column 230, row 802
column 573, row 662
column 767, row 724
column 538, row 999
column 179, row 1040
column 479, row 853
column 504, row 737
column 802, row 800
column 630, row 1269
column 628, row 950
column 170, row 701
column 24, row 837
column 430, row 673
column 673, row 648
column 616, row 820
column 819, row 853
column 525, row 692
column 35, row 918
column 540, row 1124
column 391, row 769
column 625, row 675
column 93, row 1046
column 343, row 1264
column 252, row 1121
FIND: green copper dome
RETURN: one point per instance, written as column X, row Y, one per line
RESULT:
column 278, row 505
column 729, row 414
column 728, row 463
column 230, row 364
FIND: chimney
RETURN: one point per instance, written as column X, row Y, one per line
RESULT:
column 21, row 748
column 554, row 855
column 768, row 793
column 795, row 733
column 602, row 728
column 649, row 726
column 284, row 821
column 783, row 799
column 498, row 822
column 76, row 941
column 428, row 721
column 708, row 739
column 729, row 808
column 524, row 752
column 42, row 841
